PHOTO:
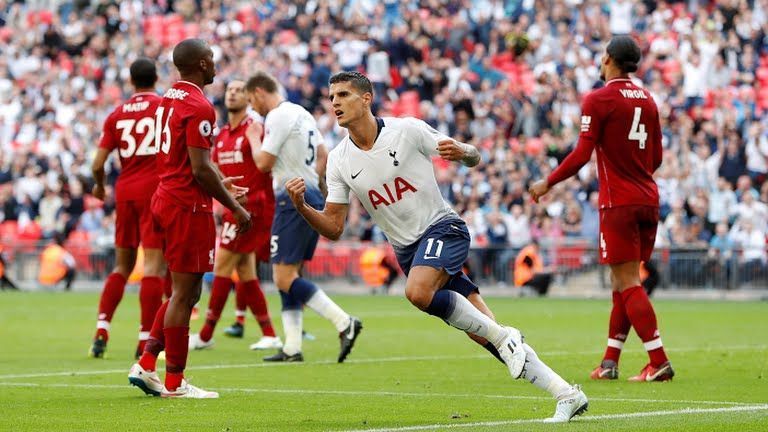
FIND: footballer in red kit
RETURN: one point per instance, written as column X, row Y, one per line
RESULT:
column 182, row 207
column 130, row 129
column 238, row 251
column 620, row 121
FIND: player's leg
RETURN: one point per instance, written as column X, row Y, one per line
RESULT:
column 249, row 284
column 292, row 315
column 150, row 293
column 643, row 318
column 627, row 237
column 237, row 329
column 225, row 263
column 293, row 242
column 478, row 302
column 114, row 287
column 423, row 290
column 186, row 293
column 536, row 371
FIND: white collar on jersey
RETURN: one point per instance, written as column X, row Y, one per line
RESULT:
column 619, row 80
column 193, row 85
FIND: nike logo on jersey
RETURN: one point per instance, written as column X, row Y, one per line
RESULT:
column 354, row 176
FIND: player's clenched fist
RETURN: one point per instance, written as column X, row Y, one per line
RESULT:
column 538, row 189
column 450, row 150
column 296, row 188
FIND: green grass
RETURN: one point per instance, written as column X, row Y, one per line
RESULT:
column 408, row 369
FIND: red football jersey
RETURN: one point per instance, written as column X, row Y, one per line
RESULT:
column 130, row 128
column 232, row 153
column 621, row 122
column 184, row 119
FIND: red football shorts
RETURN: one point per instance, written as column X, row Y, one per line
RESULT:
column 627, row 233
column 189, row 237
column 255, row 239
column 135, row 225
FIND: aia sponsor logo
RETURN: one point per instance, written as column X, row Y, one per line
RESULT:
column 390, row 193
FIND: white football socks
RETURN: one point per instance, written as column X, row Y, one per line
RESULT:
column 292, row 326
column 542, row 376
column 326, row 308
column 466, row 317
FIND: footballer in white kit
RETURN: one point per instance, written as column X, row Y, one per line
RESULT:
column 293, row 148
column 387, row 164
column 395, row 182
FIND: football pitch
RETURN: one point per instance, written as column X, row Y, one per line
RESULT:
column 408, row 371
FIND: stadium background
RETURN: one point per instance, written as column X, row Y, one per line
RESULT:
column 506, row 76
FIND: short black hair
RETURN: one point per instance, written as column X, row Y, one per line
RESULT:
column 261, row 80
column 625, row 52
column 359, row 81
column 143, row 73
column 188, row 53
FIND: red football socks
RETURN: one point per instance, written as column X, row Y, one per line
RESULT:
column 156, row 342
column 258, row 304
column 241, row 303
column 219, row 294
column 114, row 287
column 150, row 299
column 618, row 328
column 176, row 348
column 643, row 319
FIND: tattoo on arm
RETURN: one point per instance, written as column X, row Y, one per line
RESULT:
column 471, row 155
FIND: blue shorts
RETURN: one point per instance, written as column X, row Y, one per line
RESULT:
column 293, row 240
column 444, row 245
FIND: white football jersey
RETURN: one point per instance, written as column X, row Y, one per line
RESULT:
column 395, row 180
column 292, row 136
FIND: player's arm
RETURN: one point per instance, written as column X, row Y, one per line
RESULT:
column 107, row 143
column 433, row 143
column 208, row 176
column 264, row 160
column 657, row 148
column 97, row 168
column 329, row 222
column 590, row 130
column 320, row 167
column 205, row 172
column 452, row 150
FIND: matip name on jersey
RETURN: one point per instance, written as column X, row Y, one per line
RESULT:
column 135, row 107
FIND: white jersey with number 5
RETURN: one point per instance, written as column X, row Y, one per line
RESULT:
column 395, row 180
column 291, row 135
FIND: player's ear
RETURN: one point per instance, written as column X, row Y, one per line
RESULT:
column 368, row 98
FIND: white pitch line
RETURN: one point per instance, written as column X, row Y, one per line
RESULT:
column 377, row 360
column 583, row 419
column 381, row 393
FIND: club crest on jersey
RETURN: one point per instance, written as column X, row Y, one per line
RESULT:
column 400, row 187
column 205, row 128
column 393, row 155
column 586, row 121
column 239, row 143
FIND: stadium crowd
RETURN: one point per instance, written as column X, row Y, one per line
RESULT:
column 506, row 76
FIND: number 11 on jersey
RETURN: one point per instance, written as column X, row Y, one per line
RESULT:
column 637, row 131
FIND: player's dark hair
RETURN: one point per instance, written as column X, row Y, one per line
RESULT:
column 143, row 73
column 261, row 80
column 187, row 53
column 359, row 81
column 625, row 52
